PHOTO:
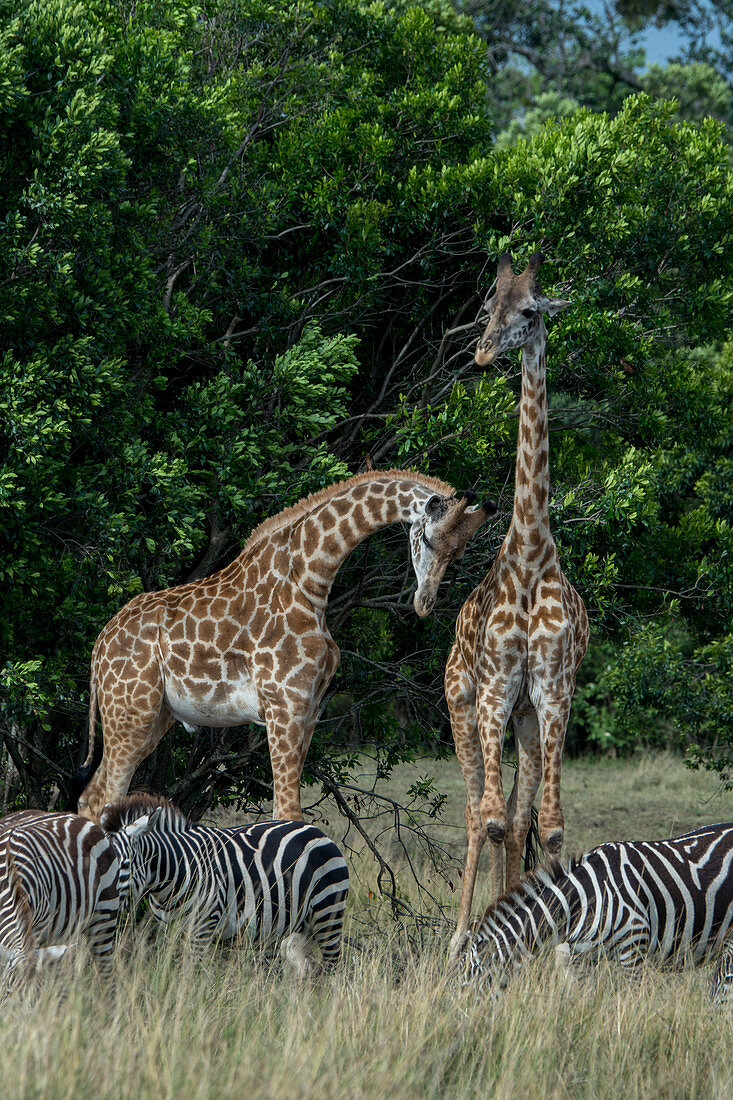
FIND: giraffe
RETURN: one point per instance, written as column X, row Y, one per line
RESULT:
column 250, row 643
column 522, row 633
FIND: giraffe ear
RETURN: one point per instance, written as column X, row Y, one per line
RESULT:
column 433, row 505
column 551, row 306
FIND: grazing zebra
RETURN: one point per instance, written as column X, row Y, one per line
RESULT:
column 58, row 878
column 722, row 989
column 670, row 899
column 263, row 881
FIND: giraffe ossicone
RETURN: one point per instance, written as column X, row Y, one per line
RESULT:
column 522, row 633
column 250, row 643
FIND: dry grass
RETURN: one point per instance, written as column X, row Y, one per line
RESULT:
column 388, row 1022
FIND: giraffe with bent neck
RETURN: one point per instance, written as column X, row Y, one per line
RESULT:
column 250, row 643
column 522, row 633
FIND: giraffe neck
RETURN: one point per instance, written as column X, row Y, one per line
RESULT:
column 530, row 527
column 320, row 541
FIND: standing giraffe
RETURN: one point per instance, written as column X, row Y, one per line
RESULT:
column 522, row 633
column 250, row 643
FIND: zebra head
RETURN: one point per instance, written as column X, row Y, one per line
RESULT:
column 128, row 841
column 482, row 963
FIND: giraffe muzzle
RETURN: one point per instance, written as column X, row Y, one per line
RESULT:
column 486, row 354
column 423, row 604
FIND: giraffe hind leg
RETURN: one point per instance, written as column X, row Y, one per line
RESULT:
column 125, row 747
column 123, row 762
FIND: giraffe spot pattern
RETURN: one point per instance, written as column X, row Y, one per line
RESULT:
column 250, row 642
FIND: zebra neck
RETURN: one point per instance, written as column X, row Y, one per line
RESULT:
column 182, row 878
column 542, row 914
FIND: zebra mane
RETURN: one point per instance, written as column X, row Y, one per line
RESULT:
column 124, row 811
column 550, row 873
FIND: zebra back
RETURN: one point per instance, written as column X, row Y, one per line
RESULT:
column 262, row 881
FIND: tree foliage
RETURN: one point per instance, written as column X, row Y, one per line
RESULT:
column 245, row 246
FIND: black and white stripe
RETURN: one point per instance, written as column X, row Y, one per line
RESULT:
column 58, row 879
column 264, row 881
column 668, row 899
column 722, row 988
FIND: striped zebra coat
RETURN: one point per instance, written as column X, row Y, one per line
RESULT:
column 670, row 899
column 722, row 988
column 264, row 881
column 58, row 879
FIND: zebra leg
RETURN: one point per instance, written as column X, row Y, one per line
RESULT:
column 297, row 956
column 326, row 930
column 100, row 934
column 721, row 991
column 564, row 965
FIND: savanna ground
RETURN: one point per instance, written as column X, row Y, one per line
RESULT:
column 388, row 1022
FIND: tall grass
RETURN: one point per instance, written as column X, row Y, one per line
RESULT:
column 388, row 1022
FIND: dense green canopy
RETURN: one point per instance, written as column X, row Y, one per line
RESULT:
column 244, row 247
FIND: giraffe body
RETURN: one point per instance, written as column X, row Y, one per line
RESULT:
column 250, row 643
column 522, row 633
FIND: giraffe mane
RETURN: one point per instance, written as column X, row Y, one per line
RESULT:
column 308, row 503
column 128, row 809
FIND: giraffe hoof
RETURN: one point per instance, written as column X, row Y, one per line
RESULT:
column 553, row 841
column 495, row 831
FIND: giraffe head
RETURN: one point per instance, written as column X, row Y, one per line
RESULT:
column 515, row 310
column 438, row 537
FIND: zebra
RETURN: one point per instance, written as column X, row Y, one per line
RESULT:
column 263, row 882
column 669, row 899
column 722, row 987
column 58, row 878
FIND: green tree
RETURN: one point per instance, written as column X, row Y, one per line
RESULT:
column 244, row 246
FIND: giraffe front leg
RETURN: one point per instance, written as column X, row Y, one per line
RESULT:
column 287, row 721
column 553, row 717
column 329, row 663
column 495, row 702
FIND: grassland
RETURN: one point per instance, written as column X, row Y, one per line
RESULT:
column 389, row 1022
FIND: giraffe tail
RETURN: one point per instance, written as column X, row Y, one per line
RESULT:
column 92, row 712
column 81, row 775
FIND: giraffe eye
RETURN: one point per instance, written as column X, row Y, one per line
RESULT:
column 529, row 313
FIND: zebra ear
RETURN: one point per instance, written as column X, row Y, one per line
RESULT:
column 143, row 824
